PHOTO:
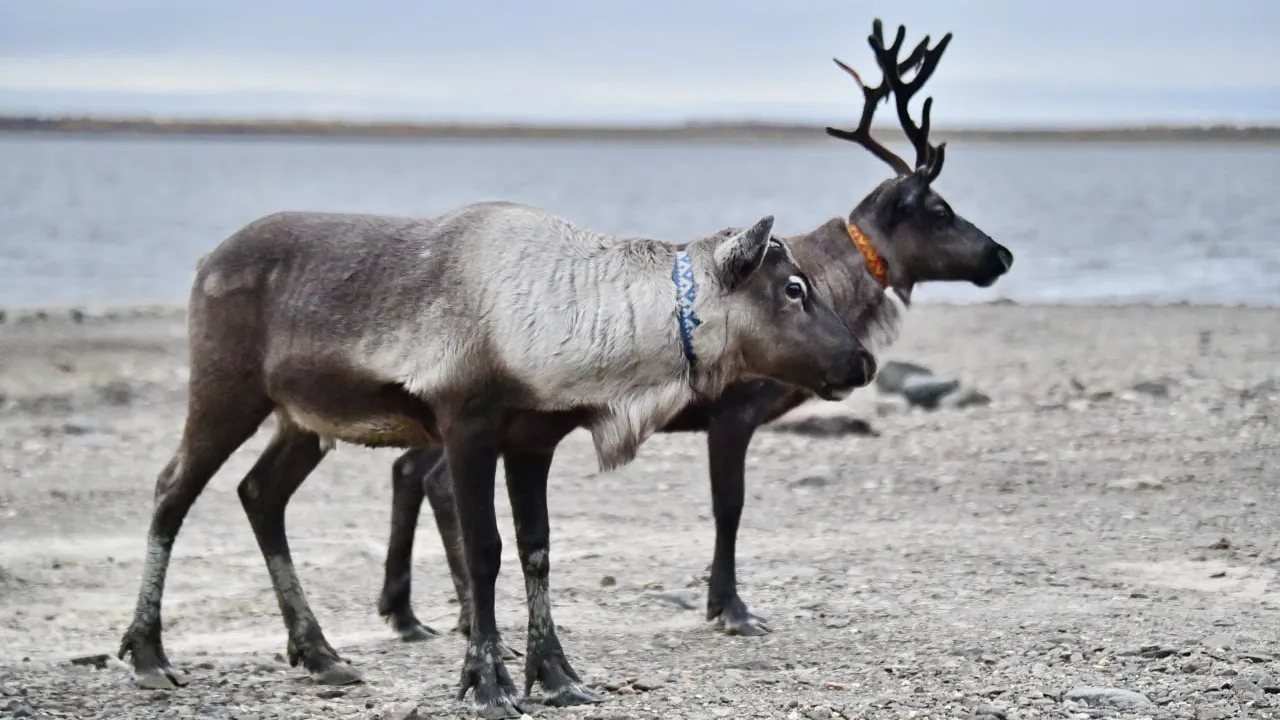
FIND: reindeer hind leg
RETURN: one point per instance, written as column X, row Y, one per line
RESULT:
column 408, row 487
column 264, row 493
column 221, row 415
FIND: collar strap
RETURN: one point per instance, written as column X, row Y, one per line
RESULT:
column 686, row 292
column 876, row 265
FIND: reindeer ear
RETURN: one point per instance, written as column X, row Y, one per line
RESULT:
column 742, row 254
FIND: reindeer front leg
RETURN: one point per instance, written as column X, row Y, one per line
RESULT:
column 728, row 435
column 545, row 661
column 471, row 447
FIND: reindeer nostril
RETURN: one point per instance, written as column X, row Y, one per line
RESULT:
column 868, row 366
column 1006, row 258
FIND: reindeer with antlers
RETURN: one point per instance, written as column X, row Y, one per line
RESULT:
column 901, row 234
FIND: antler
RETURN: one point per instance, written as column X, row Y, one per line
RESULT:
column 928, row 157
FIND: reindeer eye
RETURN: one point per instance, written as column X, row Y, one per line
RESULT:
column 796, row 289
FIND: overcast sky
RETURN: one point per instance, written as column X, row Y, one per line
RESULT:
column 1012, row 62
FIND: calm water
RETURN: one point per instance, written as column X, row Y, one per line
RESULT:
column 117, row 220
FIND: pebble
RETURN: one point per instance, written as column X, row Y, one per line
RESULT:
column 1142, row 482
column 825, row 426
column 1153, row 388
column 966, row 398
column 1246, row 688
column 647, row 684
column 892, row 376
column 20, row 709
column 98, row 661
column 685, row 599
column 118, row 393
column 402, row 712
column 927, row 392
column 992, row 692
column 1259, row 678
column 1107, row 697
column 809, row 481
column 761, row 664
column 1194, row 666
column 1218, row 642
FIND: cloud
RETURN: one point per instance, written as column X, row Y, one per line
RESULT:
column 1011, row 60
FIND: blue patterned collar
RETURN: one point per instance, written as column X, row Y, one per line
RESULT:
column 686, row 292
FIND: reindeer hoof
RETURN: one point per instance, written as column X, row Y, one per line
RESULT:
column 501, row 709
column 151, row 668
column 574, row 693
column 736, row 620
column 548, row 667
column 508, row 652
column 416, row 632
column 494, row 693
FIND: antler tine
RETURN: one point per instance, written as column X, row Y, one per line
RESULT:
column 928, row 65
column 925, row 122
column 921, row 56
column 935, row 162
column 872, row 96
column 915, row 57
column 898, row 38
column 936, row 152
column 903, row 91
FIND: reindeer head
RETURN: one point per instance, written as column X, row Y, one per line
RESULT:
column 920, row 237
column 756, row 311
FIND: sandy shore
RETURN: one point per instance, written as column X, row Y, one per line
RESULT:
column 1075, row 532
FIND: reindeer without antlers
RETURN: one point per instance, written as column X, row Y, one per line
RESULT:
column 901, row 234
column 483, row 332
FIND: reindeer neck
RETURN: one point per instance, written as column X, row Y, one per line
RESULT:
column 839, row 267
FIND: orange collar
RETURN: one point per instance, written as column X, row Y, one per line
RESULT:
column 875, row 263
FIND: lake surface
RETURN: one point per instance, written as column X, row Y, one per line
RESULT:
column 114, row 220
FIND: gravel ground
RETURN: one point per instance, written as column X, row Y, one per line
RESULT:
column 1098, row 541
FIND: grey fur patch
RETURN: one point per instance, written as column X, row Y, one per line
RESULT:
column 491, row 294
column 288, row 589
column 154, row 570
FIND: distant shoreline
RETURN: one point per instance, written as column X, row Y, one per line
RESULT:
column 703, row 132
column 34, row 315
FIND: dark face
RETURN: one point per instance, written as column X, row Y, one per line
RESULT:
column 931, row 242
column 792, row 335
